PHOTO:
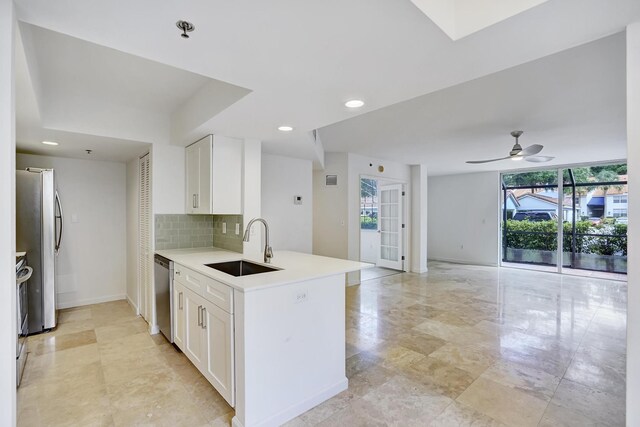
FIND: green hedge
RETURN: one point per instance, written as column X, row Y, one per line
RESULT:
column 584, row 244
column 368, row 223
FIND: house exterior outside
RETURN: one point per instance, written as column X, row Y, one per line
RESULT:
column 612, row 204
column 545, row 201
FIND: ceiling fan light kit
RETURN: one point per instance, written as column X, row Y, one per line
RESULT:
column 518, row 153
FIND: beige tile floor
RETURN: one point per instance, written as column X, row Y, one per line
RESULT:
column 457, row 346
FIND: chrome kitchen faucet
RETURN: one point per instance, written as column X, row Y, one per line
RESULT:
column 268, row 253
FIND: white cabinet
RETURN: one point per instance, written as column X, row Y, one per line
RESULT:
column 178, row 315
column 219, row 340
column 203, row 329
column 193, row 337
column 214, row 176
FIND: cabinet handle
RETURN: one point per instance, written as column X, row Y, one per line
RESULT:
column 204, row 317
column 180, row 300
column 197, row 200
column 177, row 274
column 193, row 203
column 199, row 315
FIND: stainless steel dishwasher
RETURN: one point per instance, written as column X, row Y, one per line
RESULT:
column 163, row 280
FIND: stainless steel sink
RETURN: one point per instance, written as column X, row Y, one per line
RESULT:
column 241, row 268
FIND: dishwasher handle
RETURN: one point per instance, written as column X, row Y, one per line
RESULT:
column 159, row 259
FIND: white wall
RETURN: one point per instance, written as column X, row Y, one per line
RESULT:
column 419, row 218
column 289, row 224
column 7, row 217
column 167, row 180
column 463, row 218
column 330, row 212
column 133, row 194
column 336, row 209
column 251, row 199
column 633, row 272
column 91, row 266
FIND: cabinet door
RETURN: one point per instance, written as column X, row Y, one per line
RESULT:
column 226, row 175
column 178, row 315
column 193, row 335
column 218, row 340
column 203, row 200
column 193, row 177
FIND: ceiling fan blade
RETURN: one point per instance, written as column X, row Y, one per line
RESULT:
column 531, row 150
column 538, row 159
column 487, row 161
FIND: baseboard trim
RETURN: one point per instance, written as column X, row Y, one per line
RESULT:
column 299, row 408
column 154, row 329
column 466, row 262
column 133, row 306
column 420, row 270
column 89, row 301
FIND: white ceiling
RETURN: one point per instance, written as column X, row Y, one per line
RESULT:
column 302, row 60
column 573, row 103
column 67, row 88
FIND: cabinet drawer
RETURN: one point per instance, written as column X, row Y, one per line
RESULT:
column 210, row 289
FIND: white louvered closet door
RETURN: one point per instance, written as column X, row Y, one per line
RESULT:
column 144, row 237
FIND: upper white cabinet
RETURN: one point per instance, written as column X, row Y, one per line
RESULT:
column 214, row 176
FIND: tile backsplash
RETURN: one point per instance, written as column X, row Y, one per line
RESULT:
column 173, row 231
column 229, row 241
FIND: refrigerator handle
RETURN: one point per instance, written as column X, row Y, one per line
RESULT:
column 59, row 230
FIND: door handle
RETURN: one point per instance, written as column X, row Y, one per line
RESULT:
column 61, row 218
column 180, row 300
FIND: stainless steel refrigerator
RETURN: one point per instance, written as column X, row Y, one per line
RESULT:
column 39, row 234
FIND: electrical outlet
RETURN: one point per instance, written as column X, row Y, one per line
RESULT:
column 237, row 229
column 224, row 228
column 300, row 297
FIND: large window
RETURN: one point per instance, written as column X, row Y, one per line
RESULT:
column 591, row 203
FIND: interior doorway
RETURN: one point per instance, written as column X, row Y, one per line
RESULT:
column 382, row 226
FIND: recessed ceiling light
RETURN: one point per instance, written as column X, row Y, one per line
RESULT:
column 49, row 143
column 285, row 128
column 354, row 103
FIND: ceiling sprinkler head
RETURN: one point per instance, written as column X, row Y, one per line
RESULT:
column 89, row 151
column 186, row 27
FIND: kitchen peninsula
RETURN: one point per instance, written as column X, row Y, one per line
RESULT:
column 272, row 343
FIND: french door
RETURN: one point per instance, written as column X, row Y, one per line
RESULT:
column 390, row 226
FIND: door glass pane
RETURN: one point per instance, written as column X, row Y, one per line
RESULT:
column 598, row 239
column 389, row 239
column 530, row 217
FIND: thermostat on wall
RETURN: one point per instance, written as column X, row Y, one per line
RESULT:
column 297, row 200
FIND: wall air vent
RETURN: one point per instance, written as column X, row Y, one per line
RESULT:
column 331, row 180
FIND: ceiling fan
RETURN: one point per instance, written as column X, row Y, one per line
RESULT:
column 519, row 153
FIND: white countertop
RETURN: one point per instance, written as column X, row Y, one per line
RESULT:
column 295, row 266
